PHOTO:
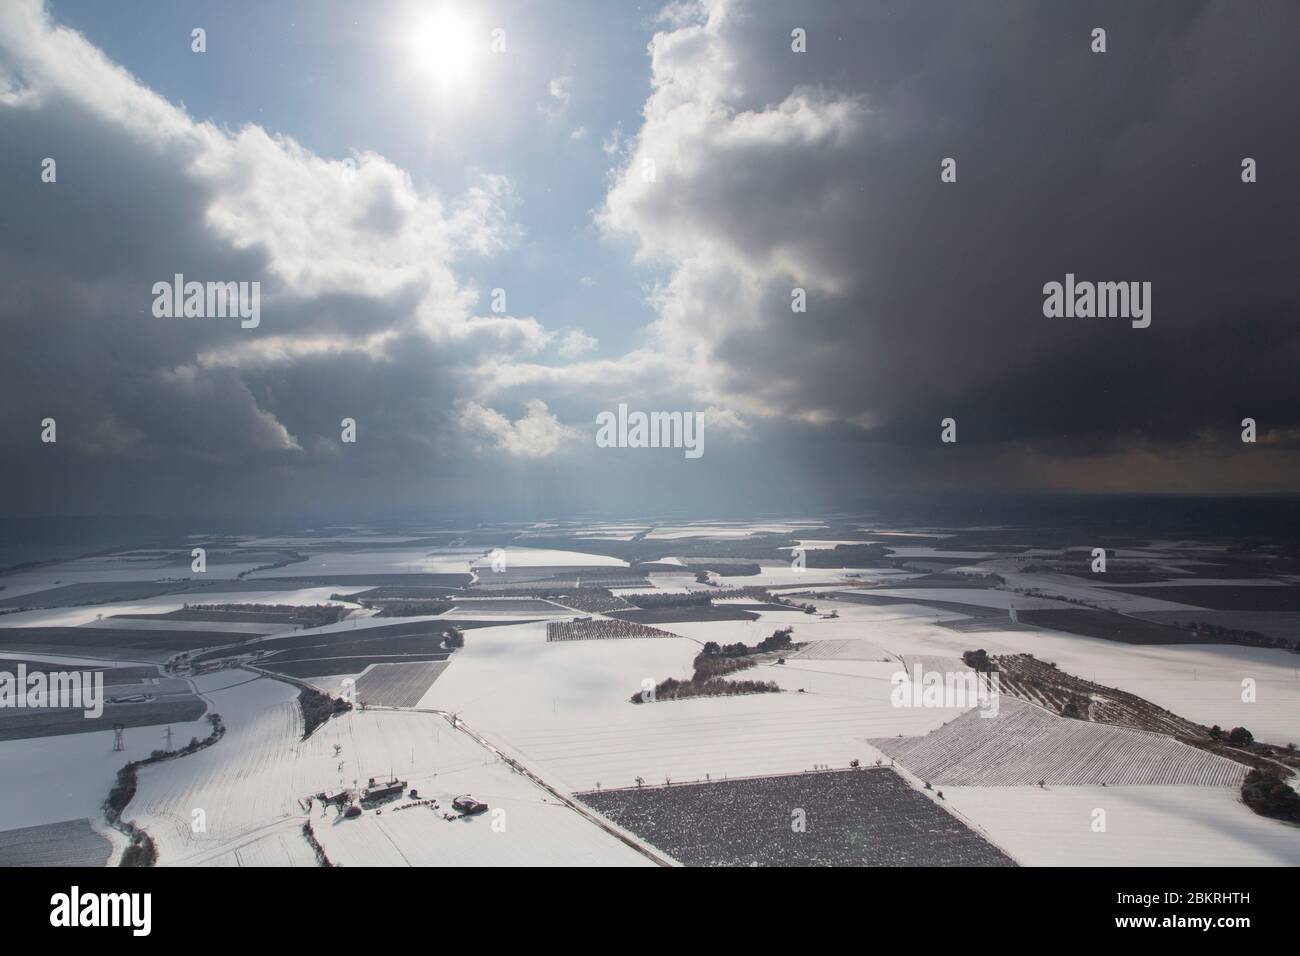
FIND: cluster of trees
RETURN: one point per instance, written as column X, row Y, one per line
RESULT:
column 412, row 608
column 142, row 851
column 318, row 708
column 600, row 630
column 453, row 637
column 1266, row 793
column 672, row 689
column 781, row 640
column 1077, row 707
column 979, row 661
column 1236, row 737
column 310, row 834
column 597, row 600
column 1232, row 635
column 709, row 666
column 290, row 557
column 713, row 663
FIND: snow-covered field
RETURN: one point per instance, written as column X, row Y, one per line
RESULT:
column 1202, row 682
column 417, row 560
column 77, row 616
column 1144, row 826
column 249, row 785
column 1024, row 743
column 49, row 779
column 564, row 708
column 546, row 558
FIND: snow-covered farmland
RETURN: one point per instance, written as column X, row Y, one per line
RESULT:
column 547, row 558
column 249, row 785
column 78, row 616
column 564, row 710
column 1023, row 744
column 418, row 560
column 50, row 779
column 1144, row 826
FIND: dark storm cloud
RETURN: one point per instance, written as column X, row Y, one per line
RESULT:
column 773, row 170
column 778, row 169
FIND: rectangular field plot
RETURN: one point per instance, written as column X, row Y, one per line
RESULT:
column 146, row 644
column 849, row 649
column 70, row 843
column 171, row 700
column 1228, row 597
column 600, row 630
column 1111, row 626
column 1024, row 744
column 506, row 606
column 342, row 666
column 682, row 615
column 54, row 721
column 398, row 685
column 850, row 818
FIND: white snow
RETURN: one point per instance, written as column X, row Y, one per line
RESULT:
column 1144, row 826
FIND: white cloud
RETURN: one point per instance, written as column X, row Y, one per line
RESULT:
column 538, row 434
column 742, row 190
column 613, row 143
column 576, row 342
column 560, row 91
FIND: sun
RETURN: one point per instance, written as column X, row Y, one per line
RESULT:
column 444, row 46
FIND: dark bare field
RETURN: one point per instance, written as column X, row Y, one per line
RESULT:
column 402, row 636
column 679, row 615
column 104, row 592
column 971, row 610
column 206, row 614
column 1110, row 626
column 109, row 592
column 108, row 641
column 524, row 574
column 941, row 580
column 174, row 702
column 489, row 581
column 326, row 667
column 853, row 818
column 51, row 722
column 70, row 843
column 112, row 675
column 99, row 641
column 1086, row 577
column 405, row 594
column 348, row 651
column 421, row 644
column 430, row 579
column 1227, row 597
column 1280, row 624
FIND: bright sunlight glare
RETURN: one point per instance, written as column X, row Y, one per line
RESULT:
column 444, row 45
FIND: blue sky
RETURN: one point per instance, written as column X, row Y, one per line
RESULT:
column 341, row 77
column 377, row 171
